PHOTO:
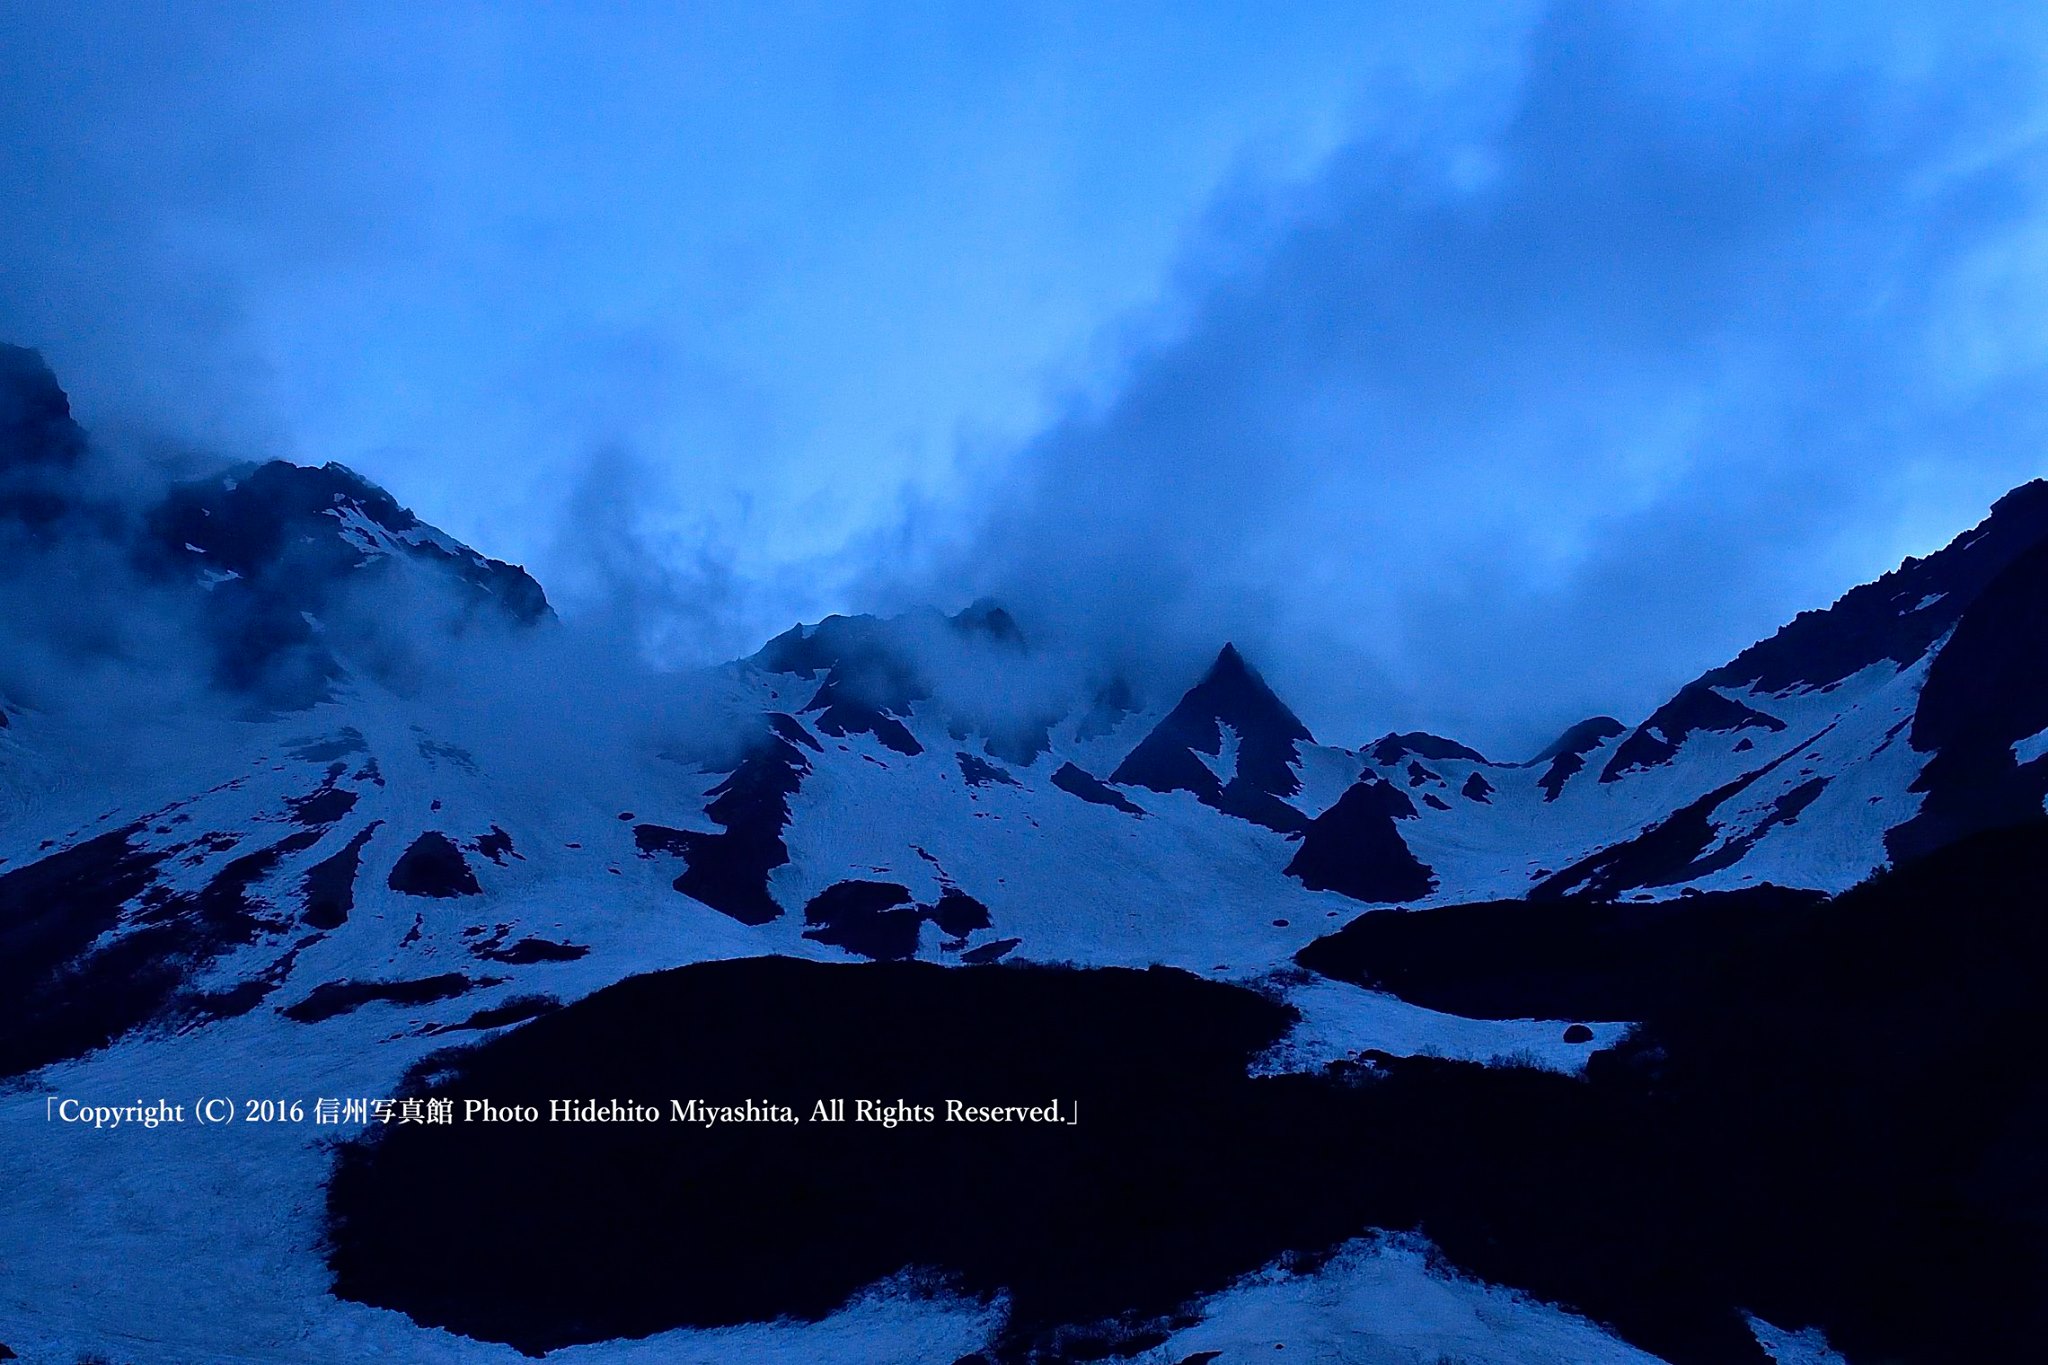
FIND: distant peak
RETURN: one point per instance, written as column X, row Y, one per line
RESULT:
column 1232, row 691
column 36, row 427
column 1392, row 748
column 1587, row 735
column 1231, row 671
column 986, row 616
column 1230, row 695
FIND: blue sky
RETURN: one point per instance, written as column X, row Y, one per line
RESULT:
column 1475, row 367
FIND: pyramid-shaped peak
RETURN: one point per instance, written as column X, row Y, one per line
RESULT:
column 1230, row 695
column 1233, row 692
column 1229, row 662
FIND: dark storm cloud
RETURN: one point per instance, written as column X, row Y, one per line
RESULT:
column 1536, row 411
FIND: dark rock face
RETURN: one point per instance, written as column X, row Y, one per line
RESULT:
column 1019, row 741
column 1566, row 754
column 1477, row 788
column 530, row 950
column 873, row 673
column 1582, row 738
column 35, row 413
column 958, row 914
column 494, row 844
column 1244, row 798
column 1986, row 691
column 333, row 998
column 877, row 921
column 808, row 651
column 841, row 712
column 874, row 919
column 1696, row 707
column 329, row 889
column 433, row 866
column 981, row 773
column 51, row 912
column 1076, row 781
column 325, row 806
column 1269, row 734
column 93, row 946
column 728, row 871
column 40, row 445
column 1354, row 849
column 788, row 727
column 272, row 545
column 1674, row 849
column 989, row 620
column 872, row 677
column 282, row 520
column 1391, row 749
column 1893, row 619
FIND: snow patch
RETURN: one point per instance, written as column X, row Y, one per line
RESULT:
column 1388, row 1301
column 1340, row 1020
column 1224, row 762
column 2031, row 748
column 1808, row 1346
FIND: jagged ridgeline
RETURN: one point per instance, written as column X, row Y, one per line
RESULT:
column 298, row 789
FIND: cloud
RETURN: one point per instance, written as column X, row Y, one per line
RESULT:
column 1541, row 397
column 1609, row 338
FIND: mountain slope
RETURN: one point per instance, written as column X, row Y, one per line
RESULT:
column 1232, row 717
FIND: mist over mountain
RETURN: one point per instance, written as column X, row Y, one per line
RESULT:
column 1578, row 349
column 300, row 776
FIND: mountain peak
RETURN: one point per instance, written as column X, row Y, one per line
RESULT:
column 1232, row 696
column 1392, row 748
column 40, row 445
column 1233, row 692
column 1579, row 739
column 36, row 427
column 273, row 547
column 988, row 617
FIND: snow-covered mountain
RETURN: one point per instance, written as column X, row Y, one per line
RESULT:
column 335, row 863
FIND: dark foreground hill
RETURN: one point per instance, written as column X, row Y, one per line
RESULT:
column 1838, row 1125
